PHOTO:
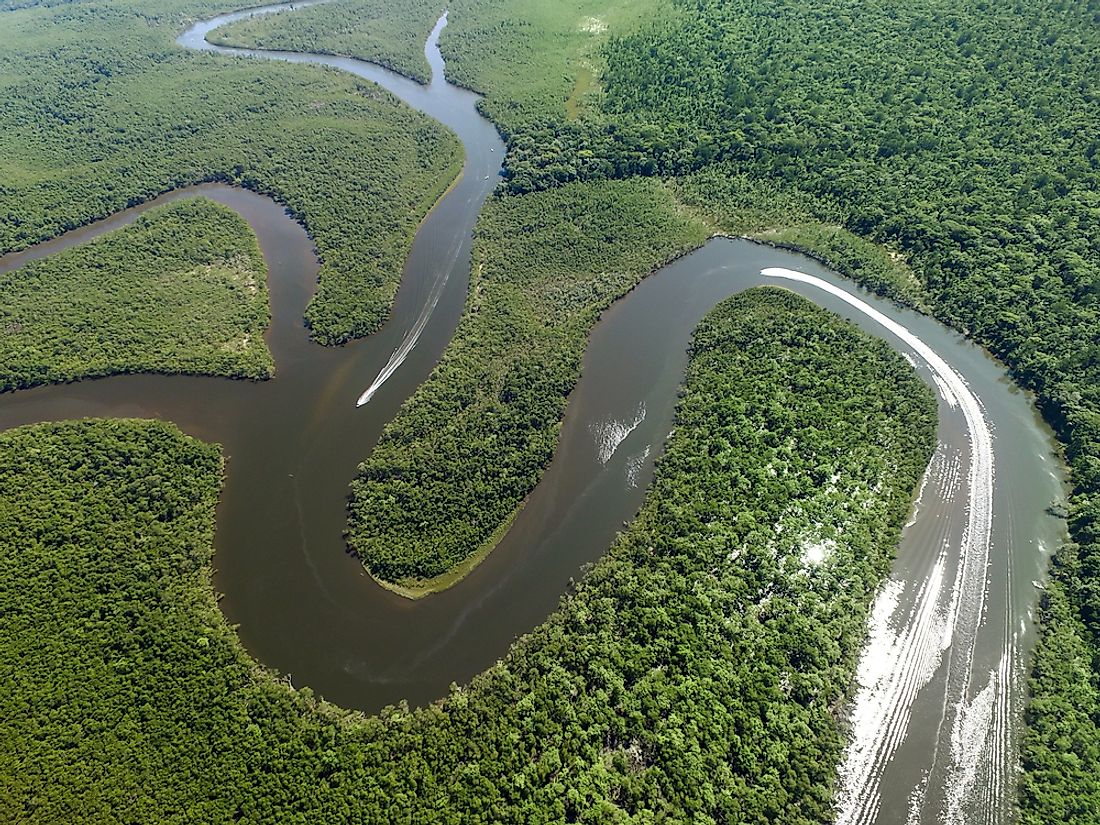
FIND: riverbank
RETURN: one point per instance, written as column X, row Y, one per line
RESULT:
column 368, row 30
column 284, row 131
column 303, row 437
column 260, row 747
column 182, row 289
column 474, row 439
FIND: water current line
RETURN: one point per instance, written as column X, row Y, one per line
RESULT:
column 883, row 705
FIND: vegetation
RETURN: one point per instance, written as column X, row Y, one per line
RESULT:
column 779, row 215
column 960, row 177
column 1060, row 756
column 536, row 63
column 692, row 675
column 367, row 29
column 472, row 442
column 462, row 454
column 182, row 289
column 979, row 162
column 960, row 138
column 103, row 110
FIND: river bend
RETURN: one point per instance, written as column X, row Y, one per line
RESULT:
column 938, row 707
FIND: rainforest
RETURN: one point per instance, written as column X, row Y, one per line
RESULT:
column 636, row 394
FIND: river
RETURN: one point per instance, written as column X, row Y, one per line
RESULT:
column 936, row 718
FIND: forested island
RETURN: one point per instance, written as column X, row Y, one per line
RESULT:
column 473, row 441
column 943, row 154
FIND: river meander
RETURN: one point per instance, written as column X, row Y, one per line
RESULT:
column 943, row 671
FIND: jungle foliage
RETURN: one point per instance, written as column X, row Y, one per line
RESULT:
column 103, row 110
column 1061, row 752
column 473, row 440
column 776, row 214
column 536, row 63
column 465, row 450
column 961, row 138
column 950, row 141
column 367, row 29
column 692, row 675
column 182, row 289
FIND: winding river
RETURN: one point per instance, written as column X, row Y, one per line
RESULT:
column 937, row 712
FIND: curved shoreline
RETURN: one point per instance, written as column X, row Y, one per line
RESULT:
column 727, row 267
column 422, row 588
column 302, row 4
column 879, row 708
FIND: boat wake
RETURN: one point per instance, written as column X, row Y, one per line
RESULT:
column 634, row 466
column 610, row 434
column 408, row 343
column 903, row 652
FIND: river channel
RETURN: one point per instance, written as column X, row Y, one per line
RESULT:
column 936, row 719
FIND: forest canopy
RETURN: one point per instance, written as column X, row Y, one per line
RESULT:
column 961, row 140
column 470, row 444
column 182, row 289
column 693, row 673
column 366, row 29
column 945, row 153
column 103, row 111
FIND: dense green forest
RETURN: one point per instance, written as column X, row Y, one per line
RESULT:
column 472, row 442
column 103, row 110
column 692, row 675
column 367, row 29
column 182, row 289
column 945, row 153
column 961, row 139
column 464, row 451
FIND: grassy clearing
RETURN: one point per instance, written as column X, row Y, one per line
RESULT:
column 536, row 61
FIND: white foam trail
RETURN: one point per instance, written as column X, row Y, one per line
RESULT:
column 945, row 391
column 980, row 778
column 610, row 434
column 895, row 666
column 973, row 722
column 945, row 470
column 913, row 817
column 634, row 466
column 408, row 343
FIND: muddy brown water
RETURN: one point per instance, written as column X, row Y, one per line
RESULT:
column 305, row 608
